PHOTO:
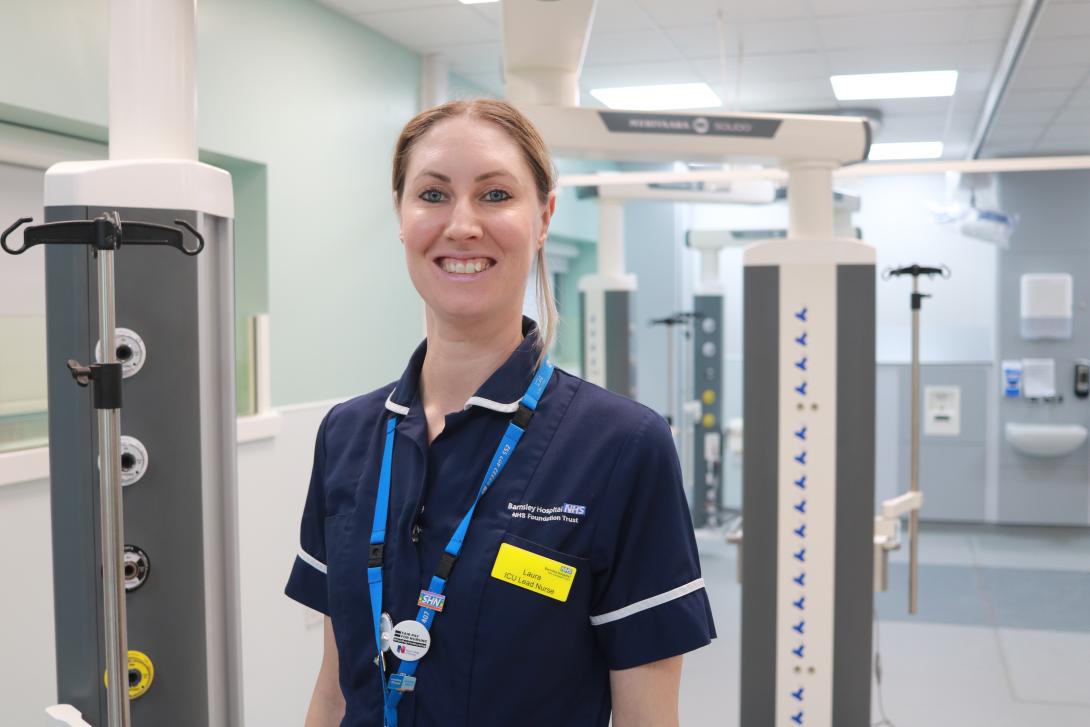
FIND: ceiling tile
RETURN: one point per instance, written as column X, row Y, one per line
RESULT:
column 1034, row 100
column 1063, row 20
column 1062, row 147
column 427, row 29
column 641, row 46
column 771, row 67
column 862, row 7
column 989, row 24
column 638, row 74
column 899, row 57
column 782, row 36
column 912, row 128
column 489, row 11
column 1022, row 134
column 473, row 57
column 1056, row 52
column 863, row 31
column 672, row 13
column 1039, row 117
column 703, row 41
column 1074, row 116
column 1040, row 78
column 781, row 94
column 1081, row 98
column 1069, row 131
column 614, row 16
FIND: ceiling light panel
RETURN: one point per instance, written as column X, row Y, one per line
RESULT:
column 915, row 84
column 905, row 150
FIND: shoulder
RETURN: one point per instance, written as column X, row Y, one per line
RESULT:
column 346, row 420
column 619, row 421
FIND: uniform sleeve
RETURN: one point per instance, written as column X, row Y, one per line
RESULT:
column 649, row 601
column 307, row 582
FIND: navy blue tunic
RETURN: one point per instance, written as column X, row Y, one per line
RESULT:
column 503, row 655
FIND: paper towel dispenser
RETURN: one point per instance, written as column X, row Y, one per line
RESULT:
column 1047, row 301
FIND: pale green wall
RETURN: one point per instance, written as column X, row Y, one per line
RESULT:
column 318, row 100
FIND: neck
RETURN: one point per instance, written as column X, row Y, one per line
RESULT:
column 461, row 357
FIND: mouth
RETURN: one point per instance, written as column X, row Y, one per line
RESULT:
column 464, row 267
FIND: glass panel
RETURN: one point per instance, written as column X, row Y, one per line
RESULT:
column 22, row 383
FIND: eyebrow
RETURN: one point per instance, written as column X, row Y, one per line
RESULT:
column 478, row 178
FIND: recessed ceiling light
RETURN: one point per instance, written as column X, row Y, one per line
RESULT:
column 918, row 84
column 905, row 150
column 659, row 98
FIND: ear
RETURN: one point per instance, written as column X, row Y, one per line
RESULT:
column 546, row 216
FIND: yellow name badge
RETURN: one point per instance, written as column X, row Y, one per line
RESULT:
column 544, row 576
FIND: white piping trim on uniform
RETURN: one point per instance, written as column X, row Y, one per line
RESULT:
column 493, row 405
column 396, row 408
column 647, row 603
column 312, row 561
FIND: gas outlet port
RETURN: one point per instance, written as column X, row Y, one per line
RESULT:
column 137, row 567
column 129, row 349
column 134, row 460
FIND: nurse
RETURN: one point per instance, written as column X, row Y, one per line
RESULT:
column 494, row 542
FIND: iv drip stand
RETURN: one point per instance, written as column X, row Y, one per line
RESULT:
column 916, row 302
column 104, row 234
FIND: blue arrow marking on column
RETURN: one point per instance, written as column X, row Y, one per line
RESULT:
column 801, row 340
column 800, row 627
column 801, row 434
column 801, row 389
column 801, row 506
column 801, row 556
column 801, row 483
column 801, row 457
column 797, row 718
column 801, row 315
column 800, row 579
column 800, row 604
column 799, row 650
column 798, row 695
column 801, row 364
column 801, row 530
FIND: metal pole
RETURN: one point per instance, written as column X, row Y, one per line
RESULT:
column 914, row 484
column 111, row 520
column 670, row 376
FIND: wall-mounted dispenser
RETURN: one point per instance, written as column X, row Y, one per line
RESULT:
column 1047, row 300
column 1082, row 378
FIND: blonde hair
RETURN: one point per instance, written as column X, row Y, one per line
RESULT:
column 537, row 156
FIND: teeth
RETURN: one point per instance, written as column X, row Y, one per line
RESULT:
column 465, row 267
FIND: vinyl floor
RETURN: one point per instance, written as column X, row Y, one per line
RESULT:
column 1002, row 637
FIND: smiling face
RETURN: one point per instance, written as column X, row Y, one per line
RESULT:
column 471, row 221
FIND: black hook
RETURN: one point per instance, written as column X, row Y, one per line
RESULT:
column 4, row 238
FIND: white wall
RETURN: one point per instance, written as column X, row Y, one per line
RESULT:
column 281, row 640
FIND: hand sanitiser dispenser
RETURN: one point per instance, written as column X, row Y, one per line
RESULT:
column 1046, row 306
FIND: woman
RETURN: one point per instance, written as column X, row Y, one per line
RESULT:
column 507, row 579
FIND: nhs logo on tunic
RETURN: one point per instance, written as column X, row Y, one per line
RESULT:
column 574, row 509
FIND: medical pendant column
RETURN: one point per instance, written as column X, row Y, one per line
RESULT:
column 808, row 468
column 179, row 403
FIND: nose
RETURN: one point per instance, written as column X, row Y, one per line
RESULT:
column 463, row 223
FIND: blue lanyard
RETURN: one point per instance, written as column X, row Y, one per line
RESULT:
column 425, row 616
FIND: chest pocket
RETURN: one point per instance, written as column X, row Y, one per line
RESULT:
column 528, row 639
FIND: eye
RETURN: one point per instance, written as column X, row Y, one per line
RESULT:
column 496, row 195
column 431, row 195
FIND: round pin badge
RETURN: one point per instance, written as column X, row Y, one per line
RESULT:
column 410, row 641
column 386, row 630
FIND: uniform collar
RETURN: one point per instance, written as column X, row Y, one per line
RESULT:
column 501, row 392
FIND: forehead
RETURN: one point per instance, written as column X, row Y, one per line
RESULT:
column 467, row 145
